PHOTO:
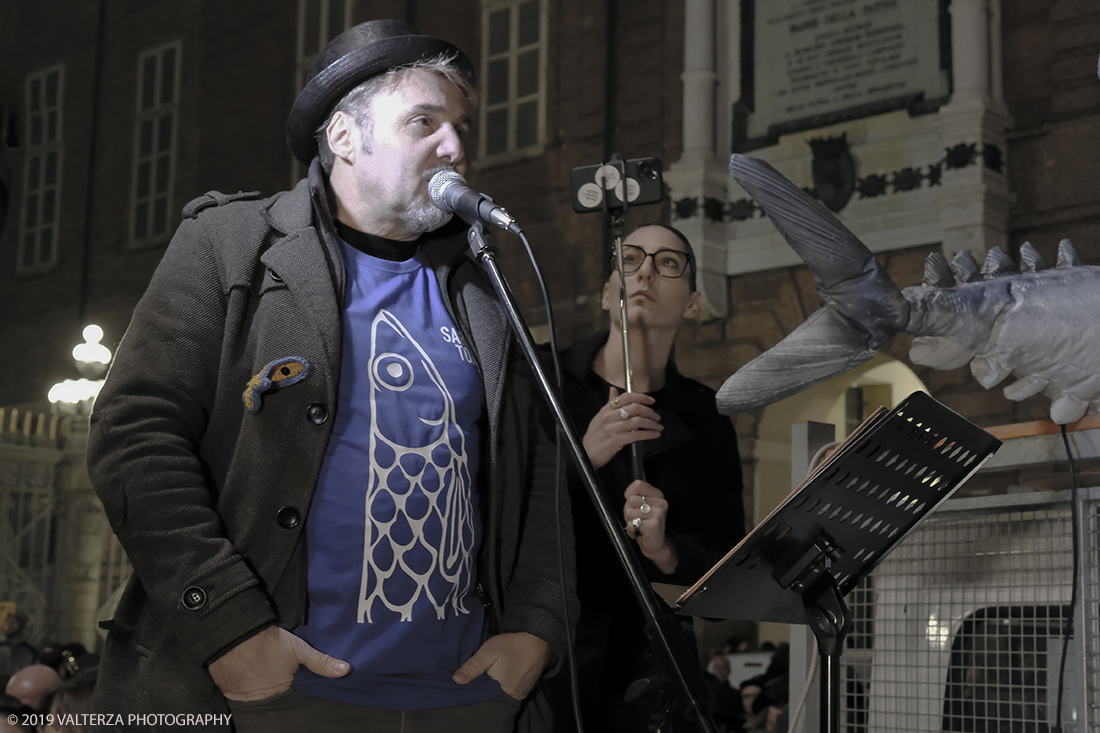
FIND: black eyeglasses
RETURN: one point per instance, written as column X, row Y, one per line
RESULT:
column 670, row 263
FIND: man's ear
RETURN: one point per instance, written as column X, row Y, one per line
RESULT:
column 343, row 135
column 694, row 305
column 604, row 302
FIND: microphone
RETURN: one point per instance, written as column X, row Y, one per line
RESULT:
column 449, row 192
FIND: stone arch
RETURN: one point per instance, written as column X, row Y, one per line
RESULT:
column 885, row 378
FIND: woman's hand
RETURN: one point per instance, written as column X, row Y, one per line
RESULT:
column 625, row 419
column 646, row 504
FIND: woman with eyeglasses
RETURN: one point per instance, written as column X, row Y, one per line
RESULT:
column 687, row 513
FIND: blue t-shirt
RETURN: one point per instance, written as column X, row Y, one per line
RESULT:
column 394, row 527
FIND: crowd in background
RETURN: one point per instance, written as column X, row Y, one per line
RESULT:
column 46, row 688
column 755, row 704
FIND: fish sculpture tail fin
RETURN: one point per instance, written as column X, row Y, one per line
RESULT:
column 861, row 309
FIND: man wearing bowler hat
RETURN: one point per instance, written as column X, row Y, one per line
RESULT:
column 317, row 445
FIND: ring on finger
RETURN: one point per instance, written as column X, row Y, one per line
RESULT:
column 645, row 507
column 623, row 413
column 615, row 403
column 637, row 524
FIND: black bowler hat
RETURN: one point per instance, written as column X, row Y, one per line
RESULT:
column 357, row 54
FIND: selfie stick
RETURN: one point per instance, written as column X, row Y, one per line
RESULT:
column 615, row 223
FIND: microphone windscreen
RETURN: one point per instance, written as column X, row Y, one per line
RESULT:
column 439, row 182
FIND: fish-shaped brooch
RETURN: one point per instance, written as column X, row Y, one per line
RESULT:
column 275, row 375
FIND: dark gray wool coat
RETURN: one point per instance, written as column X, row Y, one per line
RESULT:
column 210, row 500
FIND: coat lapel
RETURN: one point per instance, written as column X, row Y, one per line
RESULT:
column 298, row 259
column 311, row 265
column 489, row 331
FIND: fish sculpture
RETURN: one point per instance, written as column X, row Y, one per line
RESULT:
column 1037, row 323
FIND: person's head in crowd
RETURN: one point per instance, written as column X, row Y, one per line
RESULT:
column 775, row 719
column 72, row 701
column 751, row 690
column 776, row 676
column 780, row 661
column 660, row 279
column 49, row 653
column 720, row 667
column 735, row 645
column 32, row 684
column 760, row 693
column 13, row 626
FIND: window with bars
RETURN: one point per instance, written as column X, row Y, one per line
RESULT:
column 155, row 132
column 319, row 21
column 513, row 76
column 38, row 248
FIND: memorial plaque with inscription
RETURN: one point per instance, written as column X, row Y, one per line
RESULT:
column 816, row 62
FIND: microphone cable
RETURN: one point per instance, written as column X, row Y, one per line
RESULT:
column 1068, row 630
column 811, row 673
column 571, row 661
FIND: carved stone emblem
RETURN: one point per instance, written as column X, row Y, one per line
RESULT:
column 834, row 171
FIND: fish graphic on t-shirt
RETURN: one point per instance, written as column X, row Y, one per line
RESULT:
column 419, row 531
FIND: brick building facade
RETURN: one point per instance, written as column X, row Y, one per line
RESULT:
column 154, row 102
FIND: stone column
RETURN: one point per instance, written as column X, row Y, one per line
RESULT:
column 699, row 175
column 970, row 48
column 700, row 78
column 975, row 199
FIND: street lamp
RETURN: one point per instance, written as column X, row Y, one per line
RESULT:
column 75, row 396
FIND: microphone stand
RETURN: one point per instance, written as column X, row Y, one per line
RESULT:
column 668, row 644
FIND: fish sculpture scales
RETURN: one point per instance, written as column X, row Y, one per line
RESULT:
column 1041, row 324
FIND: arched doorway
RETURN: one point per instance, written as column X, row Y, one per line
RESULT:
column 842, row 401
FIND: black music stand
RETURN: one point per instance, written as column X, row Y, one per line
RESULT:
column 800, row 562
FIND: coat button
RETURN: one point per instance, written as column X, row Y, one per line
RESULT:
column 194, row 598
column 288, row 517
column 483, row 595
column 317, row 413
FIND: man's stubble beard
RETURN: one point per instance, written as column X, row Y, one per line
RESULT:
column 421, row 214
